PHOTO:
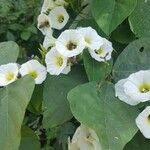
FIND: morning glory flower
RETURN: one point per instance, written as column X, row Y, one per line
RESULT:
column 58, row 17
column 48, row 5
column 91, row 38
column 44, row 24
column 8, row 73
column 49, row 41
column 135, row 88
column 143, row 122
column 84, row 139
column 103, row 51
column 70, row 43
column 36, row 70
column 56, row 63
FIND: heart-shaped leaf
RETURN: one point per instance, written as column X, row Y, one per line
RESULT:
column 140, row 19
column 110, row 13
column 135, row 57
column 9, row 52
column 96, row 71
column 56, row 106
column 98, row 108
column 29, row 140
column 14, row 99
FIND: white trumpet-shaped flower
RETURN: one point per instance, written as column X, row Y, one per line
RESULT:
column 36, row 70
column 70, row 43
column 8, row 73
column 61, row 2
column 58, row 17
column 135, row 88
column 44, row 24
column 48, row 5
column 103, row 51
column 143, row 122
column 91, row 38
column 84, row 139
column 67, row 69
column 49, row 41
column 55, row 62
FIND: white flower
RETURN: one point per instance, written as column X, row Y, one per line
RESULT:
column 135, row 88
column 103, row 51
column 67, row 69
column 84, row 139
column 143, row 122
column 70, row 43
column 59, row 17
column 91, row 37
column 35, row 69
column 120, row 93
column 8, row 73
column 56, row 63
column 48, row 5
column 49, row 41
column 61, row 2
column 51, row 4
column 44, row 24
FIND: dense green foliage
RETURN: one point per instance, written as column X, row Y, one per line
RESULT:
column 44, row 116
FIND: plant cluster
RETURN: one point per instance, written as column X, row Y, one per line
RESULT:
column 89, row 86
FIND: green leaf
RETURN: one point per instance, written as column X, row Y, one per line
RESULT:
column 140, row 19
column 32, row 29
column 65, row 131
column 96, row 71
column 25, row 35
column 10, row 36
column 97, row 107
column 118, row 48
column 139, row 142
column 110, row 13
column 134, row 57
column 123, row 34
column 14, row 99
column 35, row 105
column 9, row 52
column 29, row 140
column 56, row 106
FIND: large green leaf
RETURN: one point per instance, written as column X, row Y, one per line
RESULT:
column 65, row 131
column 14, row 99
column 135, row 57
column 9, row 52
column 35, row 105
column 110, row 13
column 139, row 142
column 97, row 107
column 96, row 71
column 29, row 140
column 56, row 106
column 140, row 19
column 123, row 34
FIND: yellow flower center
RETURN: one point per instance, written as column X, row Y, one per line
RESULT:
column 71, row 45
column 44, row 24
column 89, row 139
column 148, row 119
column 99, row 51
column 88, row 40
column 10, row 76
column 33, row 74
column 144, row 88
column 59, row 61
column 60, row 18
